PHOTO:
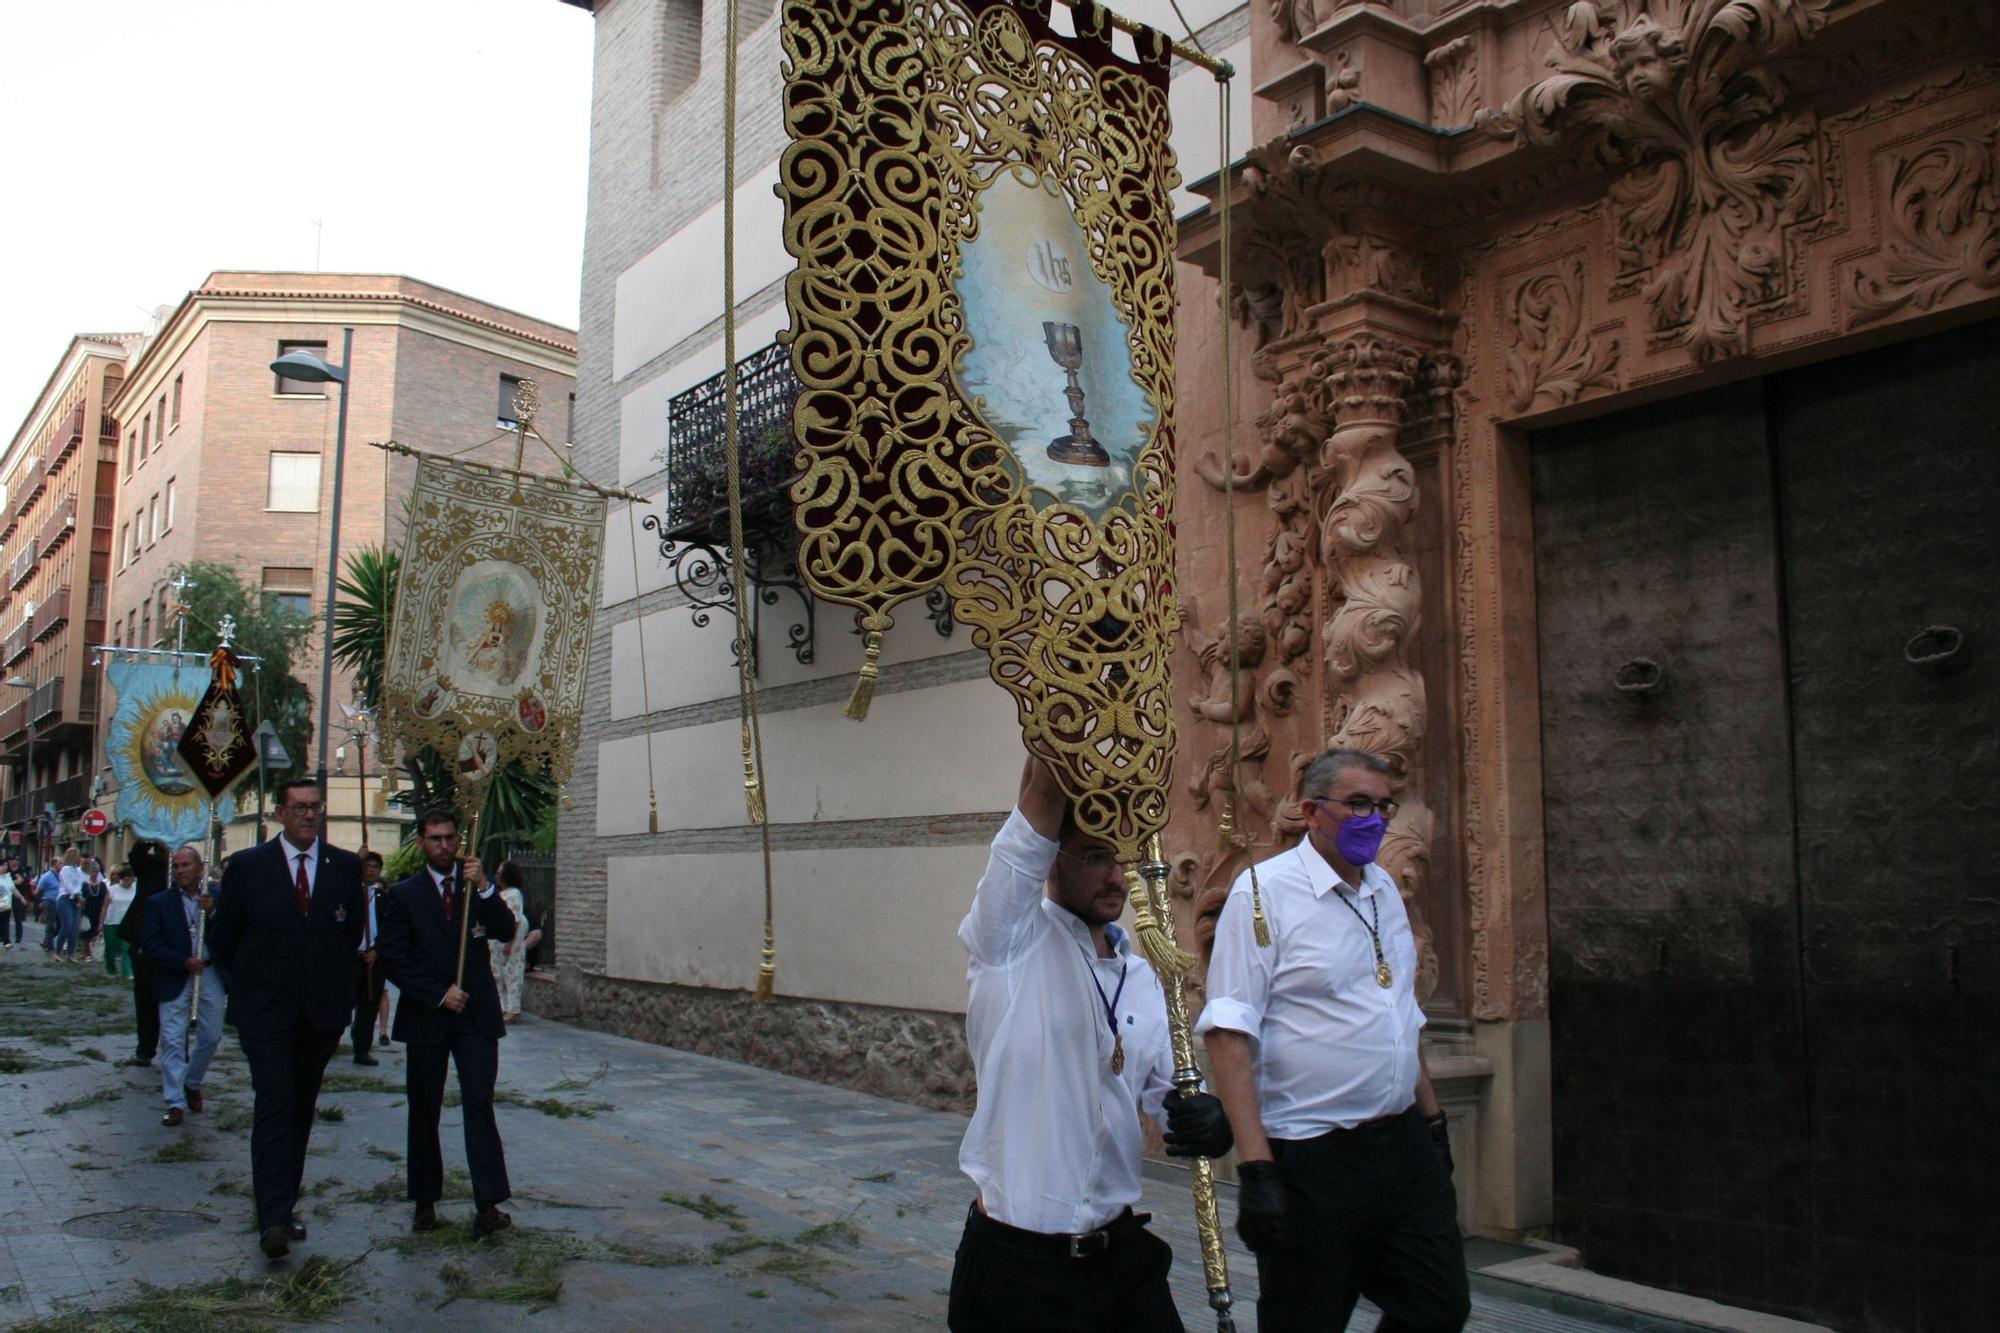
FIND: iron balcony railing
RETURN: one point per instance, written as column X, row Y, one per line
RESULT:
column 52, row 614
column 697, row 439
column 57, row 526
column 45, row 704
column 15, row 646
column 68, row 436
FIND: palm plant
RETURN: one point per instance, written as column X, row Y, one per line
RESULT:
column 361, row 618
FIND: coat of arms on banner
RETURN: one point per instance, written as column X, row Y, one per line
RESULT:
column 216, row 743
column 491, row 635
column 158, row 796
column 982, row 323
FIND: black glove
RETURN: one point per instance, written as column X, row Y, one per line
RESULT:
column 1262, row 1214
column 1197, row 1126
column 1441, row 1140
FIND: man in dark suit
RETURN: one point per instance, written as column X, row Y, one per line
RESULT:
column 437, row 1020
column 286, row 931
column 173, row 921
column 369, row 980
column 148, row 859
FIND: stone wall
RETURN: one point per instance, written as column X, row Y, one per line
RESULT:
column 910, row 1055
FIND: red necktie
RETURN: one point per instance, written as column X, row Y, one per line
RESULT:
column 304, row 887
column 450, row 898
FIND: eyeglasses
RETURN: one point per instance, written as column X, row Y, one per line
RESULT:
column 1097, row 858
column 1360, row 807
column 304, row 808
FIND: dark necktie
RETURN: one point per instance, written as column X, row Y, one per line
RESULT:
column 304, row 886
column 450, row 899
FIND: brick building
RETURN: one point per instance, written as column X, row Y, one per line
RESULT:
column 223, row 460
column 57, row 491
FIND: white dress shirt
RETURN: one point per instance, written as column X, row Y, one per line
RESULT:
column 1055, row 1143
column 292, row 854
column 1333, row 1047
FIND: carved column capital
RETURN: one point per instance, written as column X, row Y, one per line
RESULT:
column 1365, row 378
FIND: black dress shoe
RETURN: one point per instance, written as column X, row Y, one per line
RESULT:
column 426, row 1218
column 274, row 1243
column 489, row 1220
column 366, row 1059
column 295, row 1229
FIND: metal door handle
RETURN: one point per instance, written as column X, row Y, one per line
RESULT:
column 1640, row 678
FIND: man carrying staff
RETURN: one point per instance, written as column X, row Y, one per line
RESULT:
column 176, row 942
column 1069, row 1038
column 1343, row 1167
column 448, row 1015
column 286, row 930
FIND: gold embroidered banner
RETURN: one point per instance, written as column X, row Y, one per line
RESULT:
column 490, row 640
column 982, row 322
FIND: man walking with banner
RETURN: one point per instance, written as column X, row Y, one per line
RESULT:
column 449, row 1013
column 190, row 993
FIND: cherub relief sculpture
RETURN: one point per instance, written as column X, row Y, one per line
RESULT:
column 1714, row 166
column 1228, row 701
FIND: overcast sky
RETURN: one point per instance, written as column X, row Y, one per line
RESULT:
column 145, row 143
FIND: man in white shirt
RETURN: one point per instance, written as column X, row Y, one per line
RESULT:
column 1344, row 1170
column 1068, row 1031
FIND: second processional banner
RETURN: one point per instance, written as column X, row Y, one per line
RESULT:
column 491, row 635
column 982, row 322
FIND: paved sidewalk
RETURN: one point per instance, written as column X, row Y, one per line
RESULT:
column 655, row 1189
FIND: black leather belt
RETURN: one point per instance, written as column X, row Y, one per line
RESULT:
column 1085, row 1245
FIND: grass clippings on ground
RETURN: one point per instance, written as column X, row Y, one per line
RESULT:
column 520, row 1265
column 331, row 1115
column 573, row 1084
column 708, row 1207
column 840, row 1233
column 555, row 1107
column 92, row 1053
column 180, row 1150
column 384, row 1154
column 317, row 1289
column 101, row 1097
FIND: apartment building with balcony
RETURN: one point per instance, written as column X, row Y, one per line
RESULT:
column 222, row 460
column 58, row 482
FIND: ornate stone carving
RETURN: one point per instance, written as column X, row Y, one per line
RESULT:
column 1292, row 18
column 1714, row 167
column 1364, row 263
column 1551, row 356
column 1343, row 82
column 1454, row 71
column 1942, row 230
column 1228, row 701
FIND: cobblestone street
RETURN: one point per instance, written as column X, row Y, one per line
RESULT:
column 654, row 1189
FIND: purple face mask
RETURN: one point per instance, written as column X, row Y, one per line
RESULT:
column 1359, row 839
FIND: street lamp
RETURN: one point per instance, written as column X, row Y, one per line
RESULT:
column 304, row 365
column 360, row 730
column 34, row 820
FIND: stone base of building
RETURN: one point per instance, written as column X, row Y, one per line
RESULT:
column 913, row 1056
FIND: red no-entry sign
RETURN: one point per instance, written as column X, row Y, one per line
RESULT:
column 95, row 822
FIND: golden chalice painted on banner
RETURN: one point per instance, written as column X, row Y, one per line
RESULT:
column 1065, row 344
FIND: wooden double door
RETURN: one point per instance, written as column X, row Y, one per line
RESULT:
column 1769, row 631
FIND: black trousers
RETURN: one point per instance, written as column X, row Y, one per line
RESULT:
column 1378, row 1217
column 145, row 1007
column 285, row 1073
column 368, row 986
column 1004, row 1281
column 478, row 1061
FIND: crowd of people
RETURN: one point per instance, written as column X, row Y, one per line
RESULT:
column 297, row 943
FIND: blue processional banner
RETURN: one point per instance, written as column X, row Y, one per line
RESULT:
column 158, row 797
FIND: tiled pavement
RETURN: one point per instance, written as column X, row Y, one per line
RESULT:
column 775, row 1157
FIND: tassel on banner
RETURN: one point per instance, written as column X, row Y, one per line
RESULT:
column 1225, row 824
column 767, row 968
column 864, row 685
column 1257, row 923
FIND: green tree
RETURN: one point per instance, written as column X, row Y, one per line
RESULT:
column 361, row 617
column 264, row 628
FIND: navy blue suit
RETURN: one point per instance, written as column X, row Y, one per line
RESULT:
column 164, row 939
column 418, row 948
column 291, row 992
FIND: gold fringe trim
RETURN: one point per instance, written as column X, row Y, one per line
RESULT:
column 864, row 684
column 1257, row 924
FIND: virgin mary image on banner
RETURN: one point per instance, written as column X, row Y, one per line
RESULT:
column 494, row 621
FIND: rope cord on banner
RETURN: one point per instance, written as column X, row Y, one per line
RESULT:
column 746, row 660
column 1232, row 810
column 645, row 678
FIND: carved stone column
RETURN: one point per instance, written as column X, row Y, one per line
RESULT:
column 1375, row 698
